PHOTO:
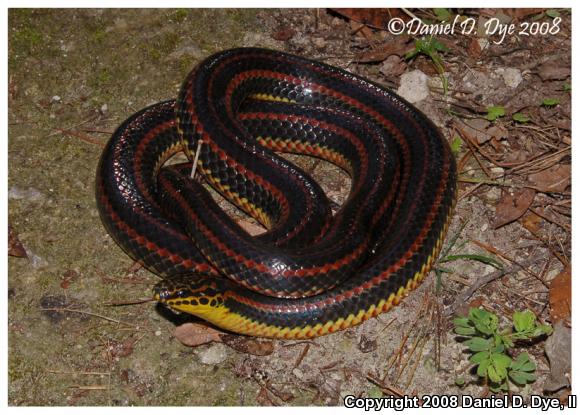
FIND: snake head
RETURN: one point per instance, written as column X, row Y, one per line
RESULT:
column 190, row 294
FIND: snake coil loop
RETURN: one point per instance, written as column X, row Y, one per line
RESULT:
column 312, row 272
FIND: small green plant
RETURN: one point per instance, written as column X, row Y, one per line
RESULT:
column 567, row 87
column 456, row 145
column 444, row 15
column 494, row 112
column 521, row 118
column 552, row 13
column 490, row 346
column 550, row 102
column 431, row 47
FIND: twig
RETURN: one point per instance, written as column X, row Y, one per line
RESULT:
column 129, row 302
column 70, row 372
column 302, row 355
column 385, row 388
column 81, row 137
column 196, row 158
column 90, row 387
column 88, row 313
column 482, row 281
column 408, row 13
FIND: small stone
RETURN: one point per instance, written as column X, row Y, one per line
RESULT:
column 213, row 355
column 104, row 108
column 497, row 170
column 55, row 98
column 36, row 261
column 158, row 333
column 483, row 43
column 512, row 77
column 187, row 50
column 414, row 86
column 319, row 42
column 493, row 195
column 30, row 194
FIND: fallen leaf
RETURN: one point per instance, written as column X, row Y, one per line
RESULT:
column 248, row 345
column 68, row 277
column 367, row 345
column 512, row 207
column 194, row 334
column 393, row 66
column 474, row 48
column 559, row 351
column 521, row 12
column 554, row 71
column 498, row 132
column 554, row 179
column 399, row 46
column 531, row 222
column 264, row 399
column 477, row 127
column 284, row 33
column 561, row 295
column 125, row 348
column 15, row 247
column 377, row 18
column 250, row 227
column 361, row 30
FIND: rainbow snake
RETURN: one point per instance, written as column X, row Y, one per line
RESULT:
column 311, row 273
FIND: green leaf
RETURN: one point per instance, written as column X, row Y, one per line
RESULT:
column 537, row 17
column 482, row 368
column 478, row 314
column 456, row 145
column 497, row 371
column 375, row 392
column 498, row 387
column 521, row 118
column 550, row 102
column 443, row 14
column 474, row 257
column 495, row 112
column 465, row 331
column 552, row 13
column 493, row 375
column 461, row 322
column 479, row 357
column 522, row 363
column 460, row 381
column 439, row 46
column 521, row 378
column 501, row 361
column 477, row 344
column 499, row 345
column 542, row 329
column 567, row 87
column 524, row 321
column 483, row 320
